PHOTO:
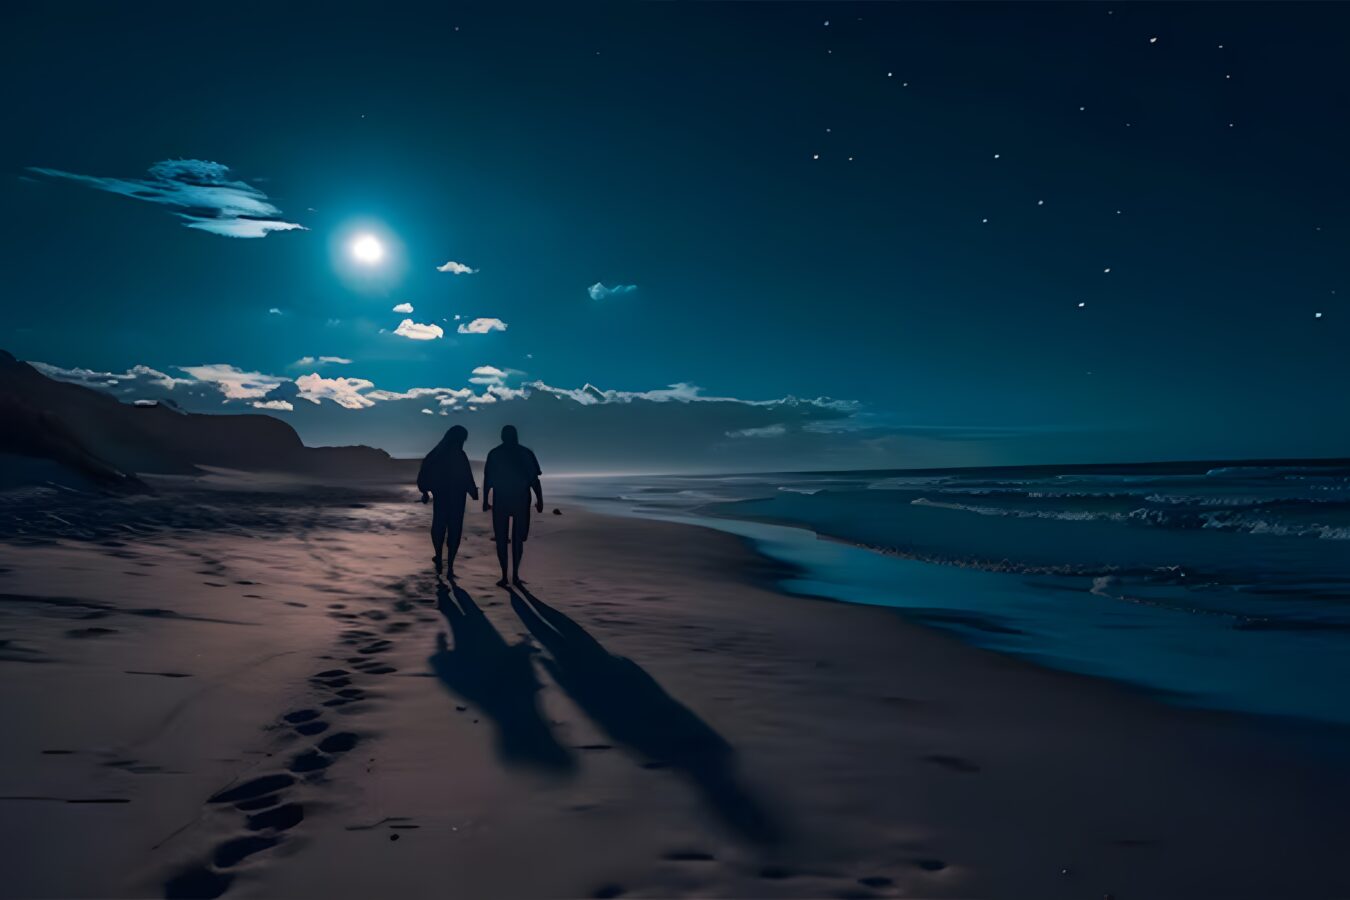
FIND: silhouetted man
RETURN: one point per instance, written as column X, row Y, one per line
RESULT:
column 511, row 473
column 445, row 473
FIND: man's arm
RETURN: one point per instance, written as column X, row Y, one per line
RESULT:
column 488, row 477
column 467, row 474
column 535, row 485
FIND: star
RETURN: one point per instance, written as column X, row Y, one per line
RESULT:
column 996, row 156
column 984, row 221
column 1317, row 315
column 815, row 156
column 1040, row 202
column 1106, row 270
column 1153, row 40
column 1081, row 305
column 890, row 74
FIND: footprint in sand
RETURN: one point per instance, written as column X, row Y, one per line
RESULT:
column 265, row 784
column 281, row 818
column 262, row 802
column 235, row 851
column 955, row 763
column 197, row 882
column 91, row 632
column 340, row 742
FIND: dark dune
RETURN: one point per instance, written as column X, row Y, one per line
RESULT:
column 53, row 428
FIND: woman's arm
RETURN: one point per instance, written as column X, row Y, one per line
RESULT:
column 466, row 473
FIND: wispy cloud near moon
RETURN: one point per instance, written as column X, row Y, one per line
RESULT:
column 200, row 193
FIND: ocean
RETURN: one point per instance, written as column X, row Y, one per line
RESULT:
column 1217, row 586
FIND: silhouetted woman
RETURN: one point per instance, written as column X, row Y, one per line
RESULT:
column 445, row 473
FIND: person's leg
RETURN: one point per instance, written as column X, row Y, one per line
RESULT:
column 517, row 548
column 438, row 523
column 501, row 559
column 520, row 532
column 454, row 531
column 501, row 524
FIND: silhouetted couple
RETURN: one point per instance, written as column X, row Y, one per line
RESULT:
column 509, row 476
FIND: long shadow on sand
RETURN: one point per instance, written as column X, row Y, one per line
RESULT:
column 497, row 678
column 634, row 710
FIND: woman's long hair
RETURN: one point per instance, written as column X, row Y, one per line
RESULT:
column 454, row 438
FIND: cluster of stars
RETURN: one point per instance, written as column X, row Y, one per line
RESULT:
column 1153, row 40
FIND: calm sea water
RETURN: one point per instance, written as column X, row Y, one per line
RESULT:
column 1219, row 586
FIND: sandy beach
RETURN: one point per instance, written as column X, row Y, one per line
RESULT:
column 267, row 693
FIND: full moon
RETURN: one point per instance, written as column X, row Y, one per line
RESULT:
column 367, row 249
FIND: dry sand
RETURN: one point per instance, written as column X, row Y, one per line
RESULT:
column 264, row 695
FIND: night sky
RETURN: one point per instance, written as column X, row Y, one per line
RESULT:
column 991, row 233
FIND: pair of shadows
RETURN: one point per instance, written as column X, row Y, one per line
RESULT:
column 617, row 694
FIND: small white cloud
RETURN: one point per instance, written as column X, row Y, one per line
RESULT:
column 599, row 292
column 427, row 412
column 345, row 392
column 283, row 405
column 487, row 375
column 418, row 332
column 404, row 307
column 762, row 432
column 456, row 268
column 235, row 384
column 274, row 311
column 305, row 362
column 482, row 326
